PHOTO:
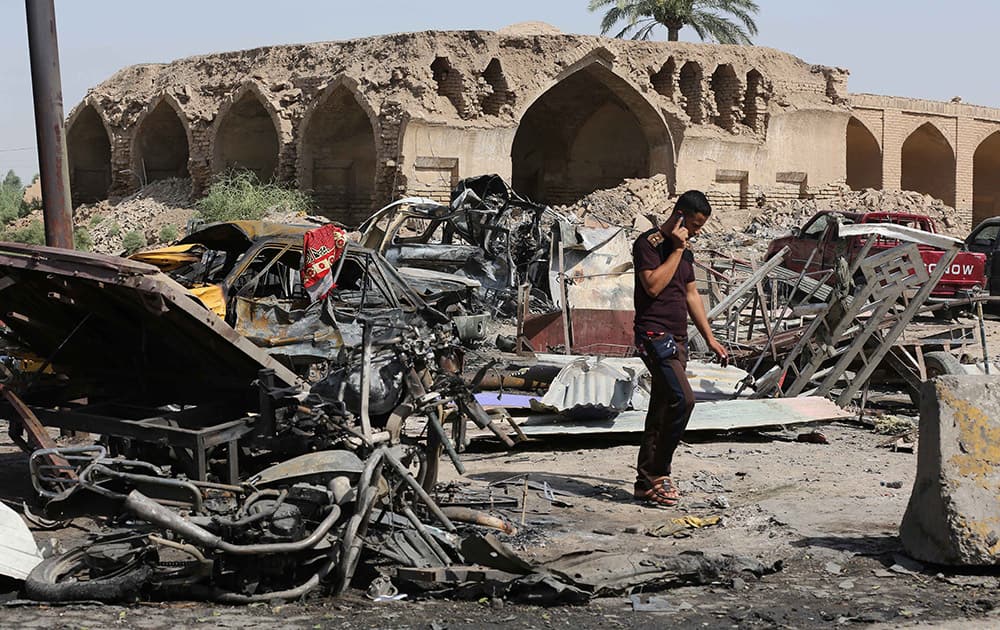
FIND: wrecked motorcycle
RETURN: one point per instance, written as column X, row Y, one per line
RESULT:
column 283, row 533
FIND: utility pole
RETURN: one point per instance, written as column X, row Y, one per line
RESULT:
column 46, row 87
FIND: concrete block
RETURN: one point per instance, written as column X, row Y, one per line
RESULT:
column 953, row 517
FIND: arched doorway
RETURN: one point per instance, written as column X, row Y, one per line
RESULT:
column 246, row 139
column 986, row 179
column 929, row 164
column 160, row 149
column 337, row 156
column 589, row 131
column 864, row 157
column 88, row 150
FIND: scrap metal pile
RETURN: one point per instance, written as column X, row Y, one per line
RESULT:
column 280, row 446
column 257, row 443
column 488, row 234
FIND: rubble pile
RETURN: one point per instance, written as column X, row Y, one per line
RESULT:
column 744, row 233
column 162, row 203
column 632, row 203
column 770, row 221
column 167, row 202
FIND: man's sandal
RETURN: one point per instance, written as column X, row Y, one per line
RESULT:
column 667, row 487
column 656, row 496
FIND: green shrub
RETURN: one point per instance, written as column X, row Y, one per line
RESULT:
column 95, row 221
column 114, row 229
column 133, row 241
column 11, row 180
column 34, row 234
column 239, row 195
column 168, row 234
column 12, row 203
column 82, row 239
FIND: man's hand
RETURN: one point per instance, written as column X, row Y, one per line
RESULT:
column 679, row 233
column 719, row 351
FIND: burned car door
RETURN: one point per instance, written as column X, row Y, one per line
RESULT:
column 806, row 242
column 268, row 271
column 433, row 245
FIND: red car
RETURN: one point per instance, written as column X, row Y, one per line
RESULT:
column 966, row 274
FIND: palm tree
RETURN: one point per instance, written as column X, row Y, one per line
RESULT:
column 706, row 17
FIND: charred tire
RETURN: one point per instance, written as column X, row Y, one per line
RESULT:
column 697, row 343
column 937, row 364
column 942, row 363
column 53, row 580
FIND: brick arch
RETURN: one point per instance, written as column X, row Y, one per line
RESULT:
column 864, row 156
column 691, row 79
column 241, row 139
column 89, row 147
column 499, row 95
column 90, row 101
column 664, row 79
column 450, row 82
column 928, row 163
column 726, row 91
column 984, row 131
column 588, row 128
column 170, row 161
column 755, row 99
column 914, row 123
column 986, row 178
column 338, row 155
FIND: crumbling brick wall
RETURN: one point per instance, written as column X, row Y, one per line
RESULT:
column 476, row 87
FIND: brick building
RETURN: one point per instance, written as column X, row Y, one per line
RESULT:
column 359, row 123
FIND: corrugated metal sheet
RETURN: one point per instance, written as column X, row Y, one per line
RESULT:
column 724, row 415
column 709, row 381
column 588, row 388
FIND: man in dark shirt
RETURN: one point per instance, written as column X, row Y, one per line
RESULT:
column 665, row 294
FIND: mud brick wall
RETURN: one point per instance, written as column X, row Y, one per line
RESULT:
column 461, row 99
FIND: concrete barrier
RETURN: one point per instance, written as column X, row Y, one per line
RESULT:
column 953, row 517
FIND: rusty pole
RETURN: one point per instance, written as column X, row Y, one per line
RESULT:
column 46, row 86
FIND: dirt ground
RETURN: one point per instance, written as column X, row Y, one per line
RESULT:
column 828, row 512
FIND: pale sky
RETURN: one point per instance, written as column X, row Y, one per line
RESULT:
column 916, row 48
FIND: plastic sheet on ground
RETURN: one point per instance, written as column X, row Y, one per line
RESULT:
column 18, row 551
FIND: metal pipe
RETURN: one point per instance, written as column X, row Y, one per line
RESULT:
column 196, row 502
column 253, row 518
column 149, row 510
column 421, row 530
column 435, row 424
column 467, row 515
column 982, row 336
column 46, row 86
column 410, row 481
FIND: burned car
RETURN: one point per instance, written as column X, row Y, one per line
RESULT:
column 222, row 263
column 488, row 233
column 141, row 361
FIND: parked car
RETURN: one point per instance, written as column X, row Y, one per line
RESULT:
column 985, row 239
column 965, row 275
